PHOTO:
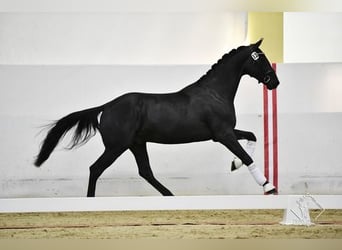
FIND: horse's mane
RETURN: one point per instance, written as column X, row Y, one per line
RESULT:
column 223, row 60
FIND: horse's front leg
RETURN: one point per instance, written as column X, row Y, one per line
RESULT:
column 229, row 139
column 250, row 146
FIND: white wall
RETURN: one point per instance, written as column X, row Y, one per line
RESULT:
column 313, row 88
column 168, row 6
column 118, row 38
column 312, row 37
column 155, row 37
column 310, row 135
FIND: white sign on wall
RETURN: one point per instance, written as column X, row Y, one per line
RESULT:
column 312, row 37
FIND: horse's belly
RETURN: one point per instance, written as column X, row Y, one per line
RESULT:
column 171, row 134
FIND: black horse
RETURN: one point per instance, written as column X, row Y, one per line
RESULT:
column 201, row 111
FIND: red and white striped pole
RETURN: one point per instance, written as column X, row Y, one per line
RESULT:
column 271, row 134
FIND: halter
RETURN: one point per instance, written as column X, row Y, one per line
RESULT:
column 255, row 55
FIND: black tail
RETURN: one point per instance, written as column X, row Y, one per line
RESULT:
column 87, row 125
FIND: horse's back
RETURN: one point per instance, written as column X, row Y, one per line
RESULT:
column 171, row 118
column 162, row 118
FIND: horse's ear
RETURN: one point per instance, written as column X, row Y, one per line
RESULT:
column 258, row 43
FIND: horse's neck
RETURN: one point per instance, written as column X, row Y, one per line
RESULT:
column 225, row 83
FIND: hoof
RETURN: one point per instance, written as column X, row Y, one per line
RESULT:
column 233, row 167
column 269, row 189
column 272, row 191
column 236, row 164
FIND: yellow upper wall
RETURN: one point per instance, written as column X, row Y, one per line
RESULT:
column 267, row 25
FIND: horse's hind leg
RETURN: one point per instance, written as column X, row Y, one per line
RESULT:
column 102, row 163
column 140, row 153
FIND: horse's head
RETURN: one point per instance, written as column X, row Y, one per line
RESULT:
column 258, row 66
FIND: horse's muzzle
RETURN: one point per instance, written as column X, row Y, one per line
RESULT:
column 272, row 84
column 271, row 81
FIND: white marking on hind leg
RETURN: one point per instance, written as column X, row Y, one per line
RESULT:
column 250, row 148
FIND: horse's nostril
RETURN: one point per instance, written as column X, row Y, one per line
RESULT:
column 267, row 79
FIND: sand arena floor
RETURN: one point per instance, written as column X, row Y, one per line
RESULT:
column 208, row 224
